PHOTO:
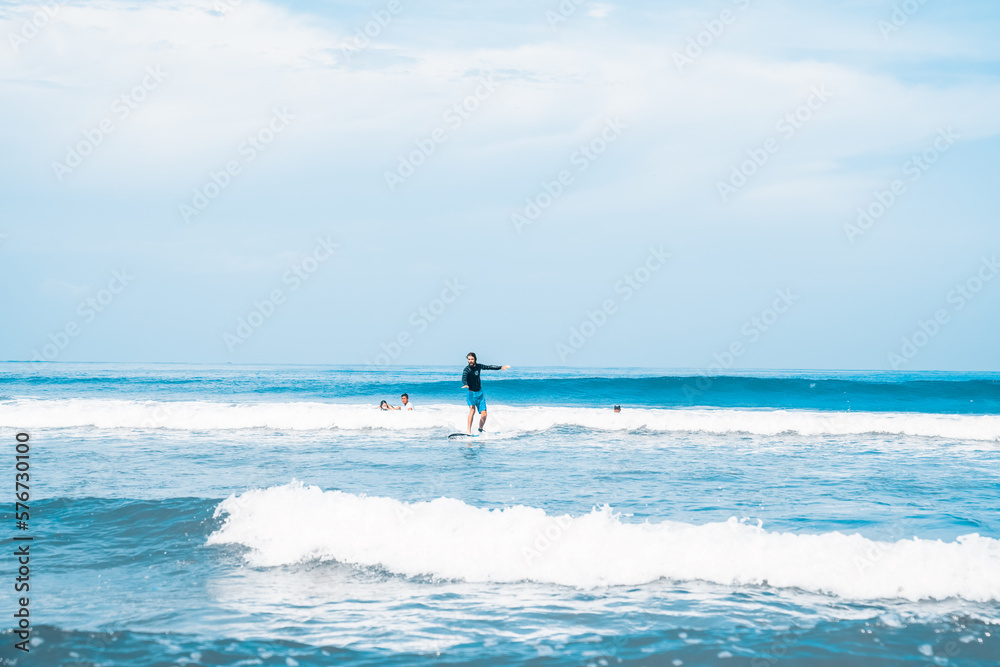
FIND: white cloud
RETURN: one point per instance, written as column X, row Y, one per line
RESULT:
column 226, row 74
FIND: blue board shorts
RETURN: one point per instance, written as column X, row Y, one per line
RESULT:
column 476, row 398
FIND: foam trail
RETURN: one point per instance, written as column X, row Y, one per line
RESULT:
column 449, row 539
column 308, row 415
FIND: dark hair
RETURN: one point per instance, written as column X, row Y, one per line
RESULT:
column 473, row 355
column 404, row 396
column 618, row 407
column 382, row 403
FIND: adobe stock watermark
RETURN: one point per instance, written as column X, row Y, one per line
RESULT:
column 751, row 332
column 160, row 415
column 563, row 11
column 628, row 286
column 950, row 650
column 581, row 158
column 901, row 14
column 419, row 321
column 914, row 168
column 121, row 108
column 86, row 311
column 786, row 127
column 705, row 39
column 30, row 27
column 263, row 309
column 877, row 549
column 926, row 330
column 247, row 152
column 779, row 648
column 545, row 537
column 371, row 29
column 454, row 117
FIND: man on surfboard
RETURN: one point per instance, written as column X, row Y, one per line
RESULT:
column 470, row 381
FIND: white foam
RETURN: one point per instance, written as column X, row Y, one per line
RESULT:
column 310, row 415
column 449, row 539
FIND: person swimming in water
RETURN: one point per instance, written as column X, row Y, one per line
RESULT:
column 475, row 398
column 405, row 398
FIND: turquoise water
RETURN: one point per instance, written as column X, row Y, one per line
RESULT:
column 273, row 515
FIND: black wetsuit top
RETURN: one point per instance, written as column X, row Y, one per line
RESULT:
column 470, row 376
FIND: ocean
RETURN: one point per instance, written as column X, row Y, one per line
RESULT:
column 273, row 515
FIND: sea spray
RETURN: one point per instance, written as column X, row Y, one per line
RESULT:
column 511, row 420
column 449, row 539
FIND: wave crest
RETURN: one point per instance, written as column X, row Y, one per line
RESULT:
column 511, row 420
column 449, row 539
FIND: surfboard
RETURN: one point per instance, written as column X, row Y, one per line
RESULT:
column 454, row 436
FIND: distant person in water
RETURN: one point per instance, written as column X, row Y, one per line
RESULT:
column 385, row 406
column 618, row 408
column 406, row 403
column 470, row 381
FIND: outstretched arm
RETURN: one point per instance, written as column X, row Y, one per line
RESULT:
column 493, row 368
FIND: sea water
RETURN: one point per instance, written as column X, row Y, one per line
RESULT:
column 274, row 515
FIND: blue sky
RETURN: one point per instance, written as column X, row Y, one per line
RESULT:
column 821, row 108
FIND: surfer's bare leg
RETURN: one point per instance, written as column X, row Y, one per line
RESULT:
column 472, row 414
column 482, row 420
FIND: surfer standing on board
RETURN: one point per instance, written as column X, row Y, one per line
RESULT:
column 470, row 381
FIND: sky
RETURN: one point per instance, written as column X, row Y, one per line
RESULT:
column 702, row 185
